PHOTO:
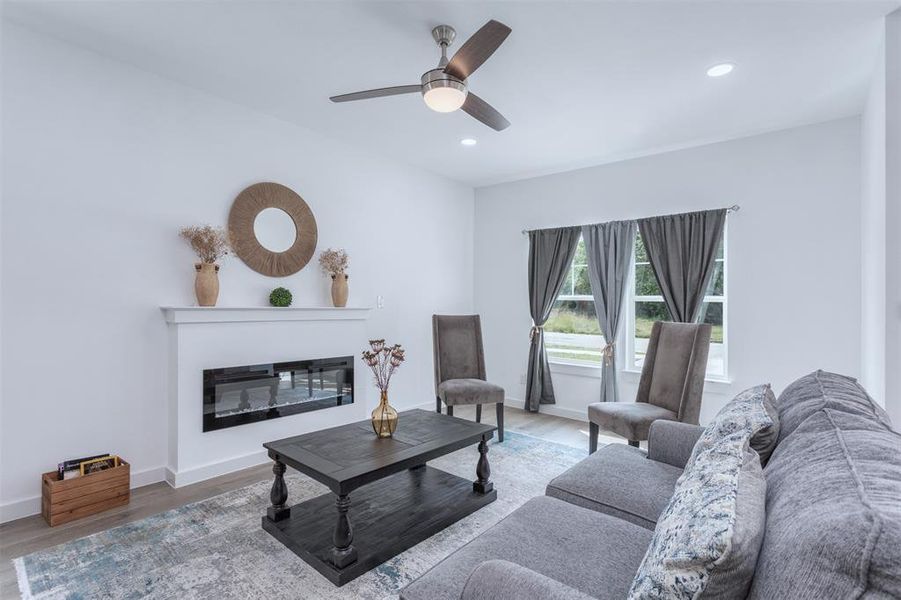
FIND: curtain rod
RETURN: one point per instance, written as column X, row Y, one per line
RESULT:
column 733, row 208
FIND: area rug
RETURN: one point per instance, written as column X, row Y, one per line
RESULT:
column 217, row 549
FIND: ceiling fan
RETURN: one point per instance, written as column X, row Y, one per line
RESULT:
column 444, row 88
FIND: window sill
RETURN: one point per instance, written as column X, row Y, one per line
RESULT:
column 574, row 368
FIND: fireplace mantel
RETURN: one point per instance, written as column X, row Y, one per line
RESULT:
column 246, row 314
column 202, row 338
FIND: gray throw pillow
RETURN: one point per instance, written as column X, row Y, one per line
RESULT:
column 731, row 575
column 765, row 440
column 707, row 540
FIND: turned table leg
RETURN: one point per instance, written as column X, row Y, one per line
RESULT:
column 482, row 484
column 343, row 552
column 278, row 495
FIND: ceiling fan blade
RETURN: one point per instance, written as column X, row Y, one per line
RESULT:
column 477, row 49
column 378, row 93
column 484, row 112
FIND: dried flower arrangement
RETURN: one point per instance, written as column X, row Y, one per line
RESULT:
column 383, row 360
column 208, row 242
column 334, row 262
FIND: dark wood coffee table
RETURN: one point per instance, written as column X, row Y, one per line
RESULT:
column 398, row 499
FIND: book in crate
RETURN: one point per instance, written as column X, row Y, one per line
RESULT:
column 64, row 500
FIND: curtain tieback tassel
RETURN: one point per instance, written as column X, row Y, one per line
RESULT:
column 536, row 330
column 607, row 351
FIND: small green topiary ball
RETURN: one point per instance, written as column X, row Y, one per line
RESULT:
column 280, row 297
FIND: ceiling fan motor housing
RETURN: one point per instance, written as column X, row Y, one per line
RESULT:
column 437, row 78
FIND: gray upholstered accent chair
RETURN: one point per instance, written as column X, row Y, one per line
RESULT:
column 671, row 385
column 460, row 367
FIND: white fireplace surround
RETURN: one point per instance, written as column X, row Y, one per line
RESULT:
column 212, row 337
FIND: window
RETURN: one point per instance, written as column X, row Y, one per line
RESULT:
column 572, row 333
column 646, row 306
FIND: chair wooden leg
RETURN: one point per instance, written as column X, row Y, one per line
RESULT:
column 500, row 421
column 633, row 443
column 438, row 404
column 450, row 410
column 478, row 413
column 592, row 438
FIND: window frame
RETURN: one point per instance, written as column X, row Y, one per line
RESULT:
column 626, row 345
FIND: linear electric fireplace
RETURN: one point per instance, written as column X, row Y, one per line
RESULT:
column 238, row 395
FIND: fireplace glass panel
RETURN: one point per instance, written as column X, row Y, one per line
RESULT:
column 238, row 395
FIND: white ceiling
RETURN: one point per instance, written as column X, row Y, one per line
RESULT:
column 582, row 83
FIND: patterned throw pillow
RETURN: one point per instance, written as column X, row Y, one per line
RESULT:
column 706, row 542
column 729, row 422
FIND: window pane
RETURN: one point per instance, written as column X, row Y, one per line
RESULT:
column 581, row 284
column 572, row 333
column 580, row 258
column 641, row 255
column 712, row 312
column 573, row 316
column 645, row 283
column 717, row 281
column 721, row 250
column 645, row 315
column 567, row 289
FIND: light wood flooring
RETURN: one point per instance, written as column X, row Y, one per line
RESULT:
column 31, row 534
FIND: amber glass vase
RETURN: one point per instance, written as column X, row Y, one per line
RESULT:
column 384, row 418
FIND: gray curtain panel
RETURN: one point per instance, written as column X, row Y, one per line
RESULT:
column 550, row 254
column 609, row 249
column 682, row 252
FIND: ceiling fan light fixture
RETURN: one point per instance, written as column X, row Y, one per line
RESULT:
column 441, row 92
column 444, row 100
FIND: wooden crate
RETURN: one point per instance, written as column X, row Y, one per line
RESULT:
column 70, row 499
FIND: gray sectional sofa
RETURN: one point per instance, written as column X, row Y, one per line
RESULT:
column 833, row 512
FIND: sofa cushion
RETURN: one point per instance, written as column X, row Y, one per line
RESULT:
column 621, row 481
column 589, row 551
column 632, row 420
column 833, row 507
column 820, row 390
column 504, row 580
column 707, row 540
column 455, row 392
column 672, row 442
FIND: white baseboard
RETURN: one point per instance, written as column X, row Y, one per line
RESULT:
column 179, row 479
column 551, row 409
column 18, row 509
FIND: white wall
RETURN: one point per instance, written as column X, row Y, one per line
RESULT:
column 893, row 215
column 102, row 164
column 873, row 230
column 881, row 224
column 794, row 252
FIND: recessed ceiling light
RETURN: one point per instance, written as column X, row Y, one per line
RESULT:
column 468, row 142
column 720, row 70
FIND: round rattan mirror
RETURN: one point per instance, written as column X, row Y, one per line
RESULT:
column 257, row 232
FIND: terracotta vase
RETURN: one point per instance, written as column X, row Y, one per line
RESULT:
column 384, row 418
column 339, row 290
column 206, row 284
